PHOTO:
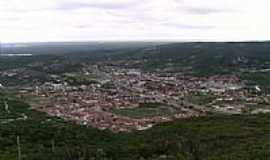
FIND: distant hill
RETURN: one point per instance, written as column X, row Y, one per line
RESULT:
column 72, row 47
column 205, row 57
column 202, row 58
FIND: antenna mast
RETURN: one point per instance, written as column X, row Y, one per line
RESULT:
column 0, row 48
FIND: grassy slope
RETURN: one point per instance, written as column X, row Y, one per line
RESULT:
column 236, row 137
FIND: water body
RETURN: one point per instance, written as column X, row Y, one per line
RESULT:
column 16, row 55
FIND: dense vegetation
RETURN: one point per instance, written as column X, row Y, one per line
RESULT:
column 261, row 79
column 223, row 137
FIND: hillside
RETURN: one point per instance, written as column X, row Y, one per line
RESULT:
column 212, row 138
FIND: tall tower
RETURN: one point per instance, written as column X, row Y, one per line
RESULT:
column 6, row 106
column 37, row 90
column 0, row 48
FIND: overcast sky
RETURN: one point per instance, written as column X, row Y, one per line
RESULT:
column 83, row 20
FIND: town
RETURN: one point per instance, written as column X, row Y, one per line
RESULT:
column 125, row 99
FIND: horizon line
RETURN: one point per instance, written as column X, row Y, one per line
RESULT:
column 148, row 41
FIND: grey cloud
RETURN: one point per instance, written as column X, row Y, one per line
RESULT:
column 188, row 26
column 80, row 5
column 204, row 11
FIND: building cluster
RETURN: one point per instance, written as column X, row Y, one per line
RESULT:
column 123, row 88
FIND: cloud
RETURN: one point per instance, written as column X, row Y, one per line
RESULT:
column 68, row 20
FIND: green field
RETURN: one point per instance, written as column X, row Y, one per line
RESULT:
column 145, row 110
column 79, row 78
column 200, row 99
